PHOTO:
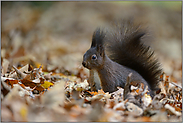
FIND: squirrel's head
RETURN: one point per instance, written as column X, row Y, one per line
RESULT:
column 94, row 57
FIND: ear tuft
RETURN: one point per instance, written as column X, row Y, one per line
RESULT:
column 98, row 37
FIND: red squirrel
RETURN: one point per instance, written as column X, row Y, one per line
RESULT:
column 118, row 51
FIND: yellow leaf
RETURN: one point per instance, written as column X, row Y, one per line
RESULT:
column 45, row 73
column 95, row 93
column 23, row 112
column 46, row 84
column 38, row 65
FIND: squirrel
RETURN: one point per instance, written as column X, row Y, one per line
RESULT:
column 119, row 51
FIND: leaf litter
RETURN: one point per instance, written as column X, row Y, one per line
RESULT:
column 57, row 89
column 31, row 94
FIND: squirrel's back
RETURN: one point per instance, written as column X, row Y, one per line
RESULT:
column 124, row 45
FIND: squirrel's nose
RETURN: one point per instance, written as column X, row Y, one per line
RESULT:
column 84, row 63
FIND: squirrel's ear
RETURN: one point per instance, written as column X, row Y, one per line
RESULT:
column 97, row 37
column 93, row 42
column 100, row 50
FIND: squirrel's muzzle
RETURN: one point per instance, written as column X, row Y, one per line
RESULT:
column 84, row 63
column 86, row 59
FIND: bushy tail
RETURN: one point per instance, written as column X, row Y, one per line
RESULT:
column 124, row 46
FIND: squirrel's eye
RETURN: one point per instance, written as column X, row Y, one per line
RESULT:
column 94, row 56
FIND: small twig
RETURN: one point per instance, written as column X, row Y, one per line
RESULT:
column 37, row 72
column 19, row 73
column 175, row 84
column 127, row 86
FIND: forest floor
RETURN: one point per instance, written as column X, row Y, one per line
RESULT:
column 42, row 78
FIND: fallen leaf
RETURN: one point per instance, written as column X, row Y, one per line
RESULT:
column 46, row 84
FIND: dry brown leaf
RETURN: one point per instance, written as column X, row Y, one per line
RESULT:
column 172, row 110
column 55, row 96
column 16, row 104
column 120, row 106
column 134, row 109
column 29, row 83
column 5, row 64
column 81, row 86
column 11, row 82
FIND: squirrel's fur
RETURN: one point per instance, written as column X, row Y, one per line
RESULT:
column 120, row 51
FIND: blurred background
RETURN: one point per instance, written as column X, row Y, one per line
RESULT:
column 57, row 34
